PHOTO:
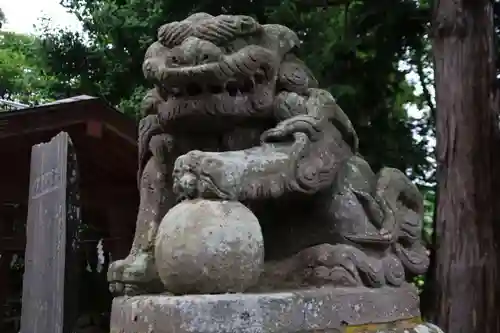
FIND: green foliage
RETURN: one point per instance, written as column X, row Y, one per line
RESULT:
column 427, row 229
column 429, row 206
column 129, row 105
column 22, row 77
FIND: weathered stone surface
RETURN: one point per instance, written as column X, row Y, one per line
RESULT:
column 247, row 122
column 205, row 246
column 50, row 281
column 320, row 310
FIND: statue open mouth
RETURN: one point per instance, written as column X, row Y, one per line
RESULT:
column 232, row 87
column 239, row 84
column 238, row 96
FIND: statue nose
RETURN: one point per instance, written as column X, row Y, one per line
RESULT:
column 195, row 51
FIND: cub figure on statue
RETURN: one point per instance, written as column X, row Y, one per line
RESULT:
column 236, row 116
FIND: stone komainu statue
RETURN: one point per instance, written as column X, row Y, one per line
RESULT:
column 235, row 115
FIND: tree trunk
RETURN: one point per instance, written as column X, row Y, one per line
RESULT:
column 464, row 294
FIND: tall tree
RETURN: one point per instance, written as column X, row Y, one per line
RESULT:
column 464, row 295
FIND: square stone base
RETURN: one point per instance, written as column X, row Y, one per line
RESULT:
column 314, row 310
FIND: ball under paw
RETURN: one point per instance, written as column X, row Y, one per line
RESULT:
column 205, row 246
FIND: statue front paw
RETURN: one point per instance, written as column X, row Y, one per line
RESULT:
column 134, row 275
column 115, row 277
column 205, row 175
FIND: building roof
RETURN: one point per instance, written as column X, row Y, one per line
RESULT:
column 104, row 140
column 65, row 112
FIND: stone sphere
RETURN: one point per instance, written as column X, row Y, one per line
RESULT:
column 206, row 246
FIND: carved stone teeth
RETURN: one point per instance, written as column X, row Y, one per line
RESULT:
column 232, row 87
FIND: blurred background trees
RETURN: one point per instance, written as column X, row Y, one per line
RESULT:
column 23, row 78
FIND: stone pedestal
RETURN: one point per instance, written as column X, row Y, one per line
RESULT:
column 315, row 310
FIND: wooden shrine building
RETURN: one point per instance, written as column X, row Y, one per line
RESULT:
column 105, row 144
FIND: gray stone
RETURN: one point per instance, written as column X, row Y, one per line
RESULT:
column 205, row 246
column 323, row 309
column 247, row 122
column 50, row 280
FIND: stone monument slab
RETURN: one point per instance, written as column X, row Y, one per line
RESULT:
column 49, row 286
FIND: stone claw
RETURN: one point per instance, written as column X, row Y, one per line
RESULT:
column 386, row 234
column 116, row 288
column 186, row 186
column 132, row 290
column 127, row 276
column 200, row 174
column 285, row 129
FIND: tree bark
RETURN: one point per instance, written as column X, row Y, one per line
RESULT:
column 464, row 283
